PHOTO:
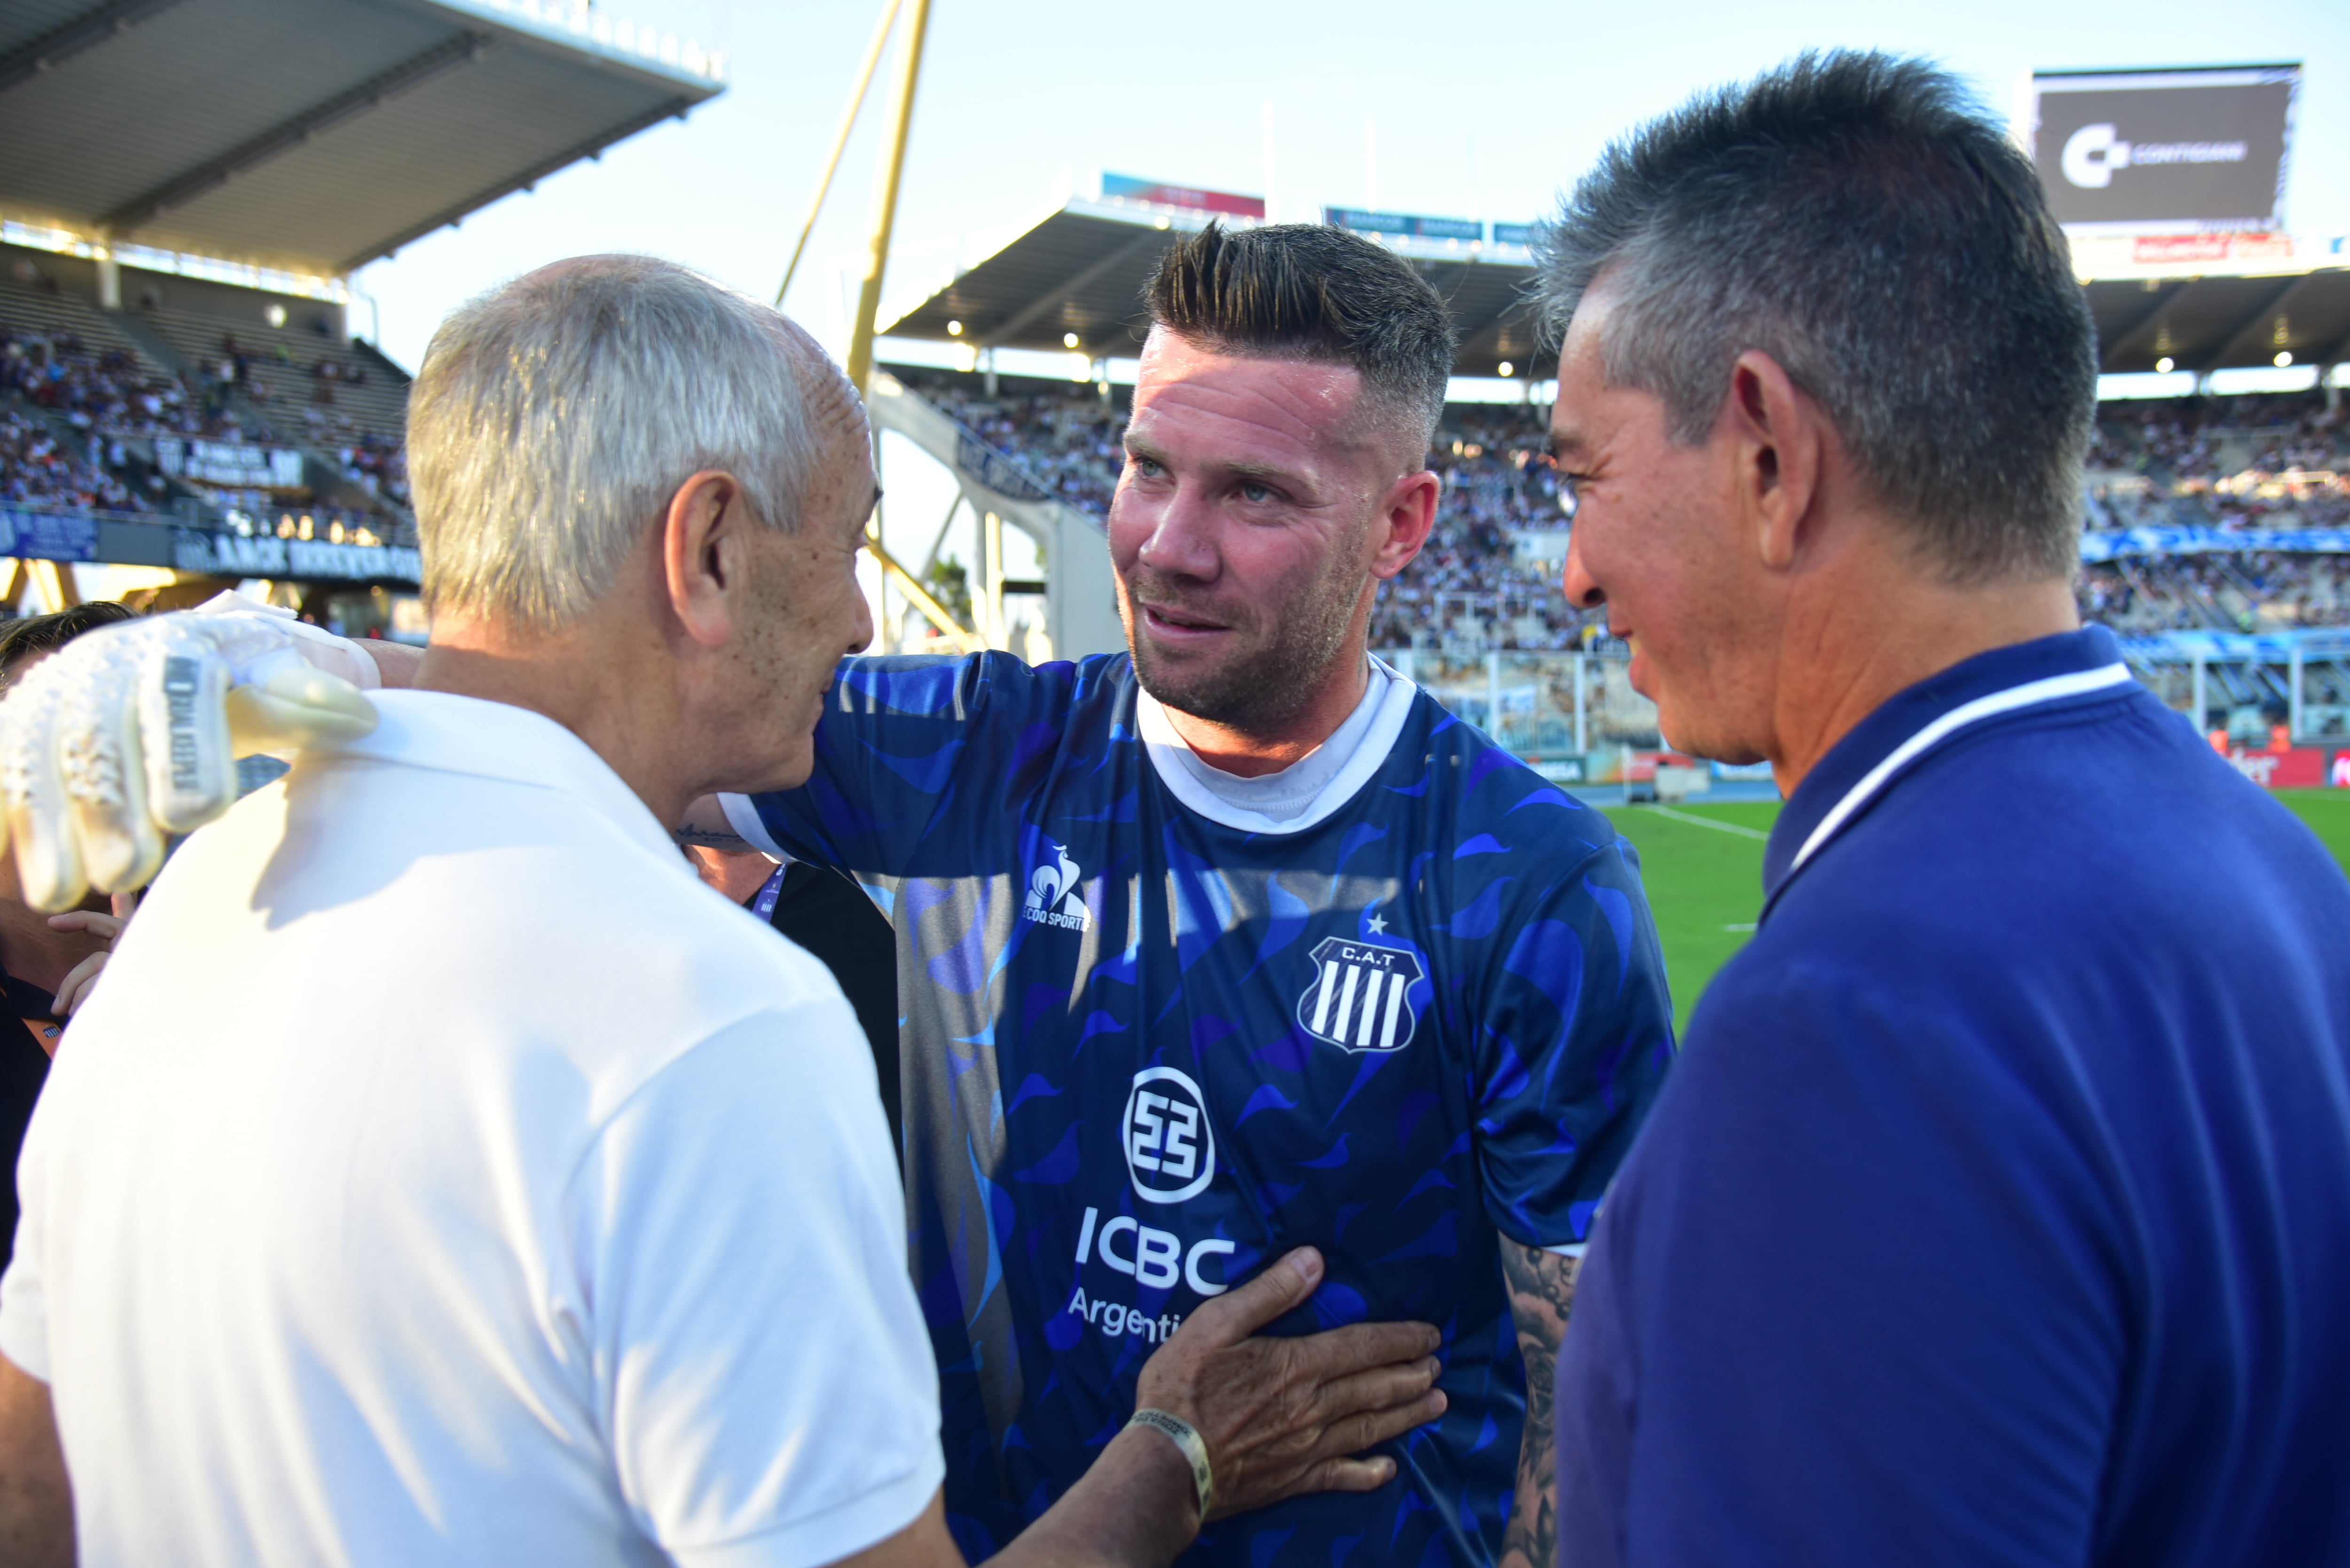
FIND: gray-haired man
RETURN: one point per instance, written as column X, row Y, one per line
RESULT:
column 1996, row 1217
column 445, row 1175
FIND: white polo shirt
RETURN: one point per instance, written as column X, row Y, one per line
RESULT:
column 444, row 1175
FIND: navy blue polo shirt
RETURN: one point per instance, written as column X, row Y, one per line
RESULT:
column 1998, row 1211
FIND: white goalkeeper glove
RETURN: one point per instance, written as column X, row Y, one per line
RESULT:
column 133, row 730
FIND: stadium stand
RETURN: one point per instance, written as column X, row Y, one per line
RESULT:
column 2264, row 461
column 178, row 386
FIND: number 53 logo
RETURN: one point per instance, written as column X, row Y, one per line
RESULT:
column 1170, row 1150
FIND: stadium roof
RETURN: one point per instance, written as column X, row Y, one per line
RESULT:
column 1083, row 268
column 2205, row 324
column 314, row 135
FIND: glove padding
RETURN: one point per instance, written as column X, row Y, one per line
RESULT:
column 133, row 730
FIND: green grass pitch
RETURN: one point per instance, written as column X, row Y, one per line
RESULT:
column 1705, row 883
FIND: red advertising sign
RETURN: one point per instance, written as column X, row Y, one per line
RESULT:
column 2291, row 767
column 1126, row 187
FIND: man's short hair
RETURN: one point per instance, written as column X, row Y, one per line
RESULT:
column 1303, row 291
column 1858, row 218
column 40, row 634
column 555, row 417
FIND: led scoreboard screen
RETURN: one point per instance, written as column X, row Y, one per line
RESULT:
column 2165, row 150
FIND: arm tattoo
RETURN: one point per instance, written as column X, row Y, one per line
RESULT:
column 710, row 838
column 1542, row 1291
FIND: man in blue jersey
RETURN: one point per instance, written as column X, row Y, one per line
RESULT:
column 1243, row 940
column 1996, row 1217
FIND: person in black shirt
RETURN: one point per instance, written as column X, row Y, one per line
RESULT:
column 829, row 916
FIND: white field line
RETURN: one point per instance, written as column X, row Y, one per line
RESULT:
column 1707, row 822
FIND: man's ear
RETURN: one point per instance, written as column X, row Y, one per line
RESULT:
column 1411, row 513
column 702, row 556
column 1778, row 451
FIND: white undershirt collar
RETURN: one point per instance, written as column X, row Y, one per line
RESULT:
column 1300, row 794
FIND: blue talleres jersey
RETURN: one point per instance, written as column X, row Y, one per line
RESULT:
column 1147, row 1051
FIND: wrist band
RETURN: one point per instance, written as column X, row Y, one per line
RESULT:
column 1180, row 1433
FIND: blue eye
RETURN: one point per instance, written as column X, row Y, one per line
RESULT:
column 1567, row 499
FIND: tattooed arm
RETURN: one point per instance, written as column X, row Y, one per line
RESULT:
column 1542, row 1290
column 705, row 825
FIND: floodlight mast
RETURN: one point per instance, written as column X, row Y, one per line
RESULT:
column 885, row 216
column 868, row 297
column 840, row 141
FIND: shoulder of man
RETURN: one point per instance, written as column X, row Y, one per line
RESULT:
column 968, row 689
column 1500, row 817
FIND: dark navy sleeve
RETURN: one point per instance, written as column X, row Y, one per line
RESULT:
column 907, row 750
column 1574, row 1032
column 1849, row 1301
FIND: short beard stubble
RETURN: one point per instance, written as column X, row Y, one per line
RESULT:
column 1259, row 691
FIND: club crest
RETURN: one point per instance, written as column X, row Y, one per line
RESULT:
column 1361, row 997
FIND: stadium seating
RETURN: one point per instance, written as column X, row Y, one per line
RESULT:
column 311, row 386
column 78, row 382
column 2273, row 461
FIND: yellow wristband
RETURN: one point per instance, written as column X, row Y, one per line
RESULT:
column 1179, row 1432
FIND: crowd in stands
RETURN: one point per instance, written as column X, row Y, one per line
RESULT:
column 1066, row 438
column 1470, row 586
column 2253, row 590
column 37, row 468
column 2268, row 461
column 377, row 465
column 2260, row 462
column 70, row 405
column 108, row 392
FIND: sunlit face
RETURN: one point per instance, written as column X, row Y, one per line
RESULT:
column 1655, row 539
column 1247, row 528
column 805, row 610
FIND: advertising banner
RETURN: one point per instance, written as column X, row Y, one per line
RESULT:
column 1514, row 234
column 48, row 535
column 230, row 463
column 2136, row 542
column 234, row 556
column 2291, row 767
column 1407, row 224
column 2181, row 151
column 1126, row 187
column 146, row 541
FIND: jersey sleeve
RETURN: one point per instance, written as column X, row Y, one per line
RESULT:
column 1857, row 1289
column 1572, row 1041
column 909, row 749
column 759, row 1364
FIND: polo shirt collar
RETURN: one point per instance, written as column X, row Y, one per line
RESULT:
column 453, row 734
column 2074, row 665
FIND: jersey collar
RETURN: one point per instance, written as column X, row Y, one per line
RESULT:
column 1169, row 753
column 1880, row 751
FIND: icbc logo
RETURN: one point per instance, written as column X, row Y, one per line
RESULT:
column 1170, row 1150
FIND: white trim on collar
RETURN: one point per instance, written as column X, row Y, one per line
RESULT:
column 2030, row 694
column 1164, row 747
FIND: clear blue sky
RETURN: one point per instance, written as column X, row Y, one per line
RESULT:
column 1472, row 110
